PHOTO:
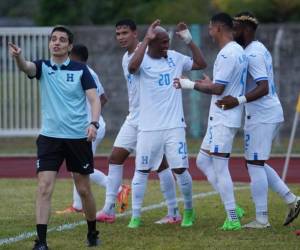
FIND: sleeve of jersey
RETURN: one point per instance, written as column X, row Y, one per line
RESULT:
column 257, row 67
column 100, row 88
column 187, row 63
column 224, row 70
column 38, row 65
column 87, row 80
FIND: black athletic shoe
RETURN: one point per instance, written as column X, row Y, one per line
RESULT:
column 93, row 239
column 40, row 245
column 293, row 212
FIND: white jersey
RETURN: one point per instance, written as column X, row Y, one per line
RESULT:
column 133, row 86
column 230, row 69
column 266, row 109
column 160, row 103
column 100, row 91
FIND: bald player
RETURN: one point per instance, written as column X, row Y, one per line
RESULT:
column 161, row 121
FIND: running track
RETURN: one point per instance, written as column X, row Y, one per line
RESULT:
column 24, row 167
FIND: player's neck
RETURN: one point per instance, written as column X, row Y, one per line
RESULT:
column 249, row 40
column 154, row 54
column 59, row 59
column 224, row 40
column 132, row 48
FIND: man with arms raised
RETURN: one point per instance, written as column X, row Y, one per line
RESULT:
column 161, row 119
column 126, row 140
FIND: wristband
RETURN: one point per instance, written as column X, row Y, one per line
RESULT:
column 185, row 35
column 187, row 84
column 242, row 99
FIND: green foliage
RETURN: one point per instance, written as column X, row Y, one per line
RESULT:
column 265, row 10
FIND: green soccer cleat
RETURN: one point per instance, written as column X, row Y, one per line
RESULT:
column 135, row 222
column 231, row 225
column 240, row 212
column 189, row 217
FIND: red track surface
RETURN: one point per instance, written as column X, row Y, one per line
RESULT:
column 24, row 167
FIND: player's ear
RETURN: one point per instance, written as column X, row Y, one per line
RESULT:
column 70, row 47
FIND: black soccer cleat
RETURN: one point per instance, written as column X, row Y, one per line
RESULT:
column 93, row 239
column 40, row 245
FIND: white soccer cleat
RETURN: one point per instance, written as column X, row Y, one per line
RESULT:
column 256, row 225
column 293, row 212
column 169, row 220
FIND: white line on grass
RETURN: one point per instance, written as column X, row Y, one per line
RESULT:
column 70, row 226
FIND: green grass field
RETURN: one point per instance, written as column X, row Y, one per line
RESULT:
column 17, row 216
column 26, row 145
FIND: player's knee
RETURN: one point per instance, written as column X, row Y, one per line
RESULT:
column 44, row 188
column 83, row 191
column 179, row 170
column 118, row 156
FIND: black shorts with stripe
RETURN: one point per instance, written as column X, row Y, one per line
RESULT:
column 51, row 153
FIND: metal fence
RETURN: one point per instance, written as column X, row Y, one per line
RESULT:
column 19, row 96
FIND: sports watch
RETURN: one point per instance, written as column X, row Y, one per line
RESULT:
column 95, row 124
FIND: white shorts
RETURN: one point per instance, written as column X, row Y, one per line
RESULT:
column 219, row 139
column 100, row 136
column 153, row 145
column 258, row 140
column 127, row 137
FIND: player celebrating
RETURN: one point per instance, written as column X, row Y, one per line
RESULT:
column 229, row 76
column 263, row 116
column 161, row 120
column 66, row 133
column 126, row 140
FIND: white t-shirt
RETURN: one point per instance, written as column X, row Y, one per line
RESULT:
column 160, row 103
column 100, row 91
column 133, row 87
column 230, row 69
column 266, row 109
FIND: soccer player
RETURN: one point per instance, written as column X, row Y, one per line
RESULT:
column 263, row 117
column 161, row 121
column 66, row 133
column 229, row 76
column 79, row 53
column 125, row 143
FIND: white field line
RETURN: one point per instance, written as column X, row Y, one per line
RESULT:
column 70, row 226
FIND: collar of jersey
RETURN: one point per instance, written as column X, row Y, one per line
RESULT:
column 61, row 66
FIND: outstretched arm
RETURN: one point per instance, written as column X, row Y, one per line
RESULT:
column 185, row 35
column 26, row 66
column 205, row 85
column 138, row 56
column 229, row 102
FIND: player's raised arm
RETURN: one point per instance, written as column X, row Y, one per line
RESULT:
column 26, row 66
column 138, row 56
column 198, row 58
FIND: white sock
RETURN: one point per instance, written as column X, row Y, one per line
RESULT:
column 259, row 191
column 138, row 185
column 205, row 164
column 278, row 186
column 114, row 179
column 76, row 199
column 225, row 185
column 168, row 188
column 99, row 178
column 184, row 182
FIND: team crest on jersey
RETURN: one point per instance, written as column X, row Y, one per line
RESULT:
column 171, row 62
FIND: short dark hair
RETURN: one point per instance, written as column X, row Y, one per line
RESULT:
column 81, row 51
column 127, row 22
column 246, row 18
column 64, row 29
column 223, row 18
